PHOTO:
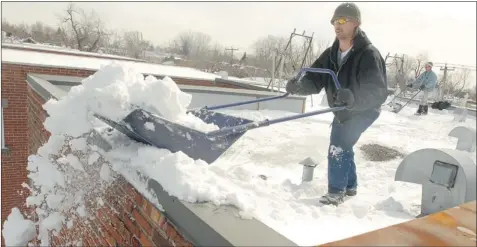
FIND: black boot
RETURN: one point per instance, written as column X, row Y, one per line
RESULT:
column 332, row 198
column 425, row 108
column 419, row 110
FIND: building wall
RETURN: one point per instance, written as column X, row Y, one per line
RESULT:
column 126, row 219
column 23, row 126
column 19, row 129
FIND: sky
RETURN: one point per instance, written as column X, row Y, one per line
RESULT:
column 396, row 27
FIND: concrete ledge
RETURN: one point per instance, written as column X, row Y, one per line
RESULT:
column 241, row 84
column 207, row 225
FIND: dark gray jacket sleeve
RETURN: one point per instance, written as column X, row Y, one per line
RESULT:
column 312, row 83
column 373, row 90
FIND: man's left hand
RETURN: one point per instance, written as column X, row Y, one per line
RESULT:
column 344, row 97
column 422, row 87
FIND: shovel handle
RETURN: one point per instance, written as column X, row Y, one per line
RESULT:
column 245, row 102
column 300, row 75
column 253, row 125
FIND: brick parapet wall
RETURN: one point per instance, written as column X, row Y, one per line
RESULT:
column 23, row 128
column 126, row 219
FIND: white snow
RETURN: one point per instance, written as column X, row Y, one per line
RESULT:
column 93, row 63
column 17, row 231
column 150, row 126
column 45, row 47
column 281, row 200
column 114, row 92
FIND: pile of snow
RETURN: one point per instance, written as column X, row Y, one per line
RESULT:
column 70, row 174
column 17, row 230
column 114, row 91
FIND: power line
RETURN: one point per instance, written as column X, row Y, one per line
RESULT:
column 455, row 66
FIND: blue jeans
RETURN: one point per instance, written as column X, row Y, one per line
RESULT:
column 341, row 166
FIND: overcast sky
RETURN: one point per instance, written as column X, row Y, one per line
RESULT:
column 447, row 30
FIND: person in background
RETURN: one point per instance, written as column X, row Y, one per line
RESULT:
column 426, row 82
column 361, row 71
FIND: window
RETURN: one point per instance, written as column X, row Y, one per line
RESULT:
column 4, row 104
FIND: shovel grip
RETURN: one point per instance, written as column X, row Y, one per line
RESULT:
column 321, row 71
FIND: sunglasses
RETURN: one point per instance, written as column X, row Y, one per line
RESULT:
column 340, row 21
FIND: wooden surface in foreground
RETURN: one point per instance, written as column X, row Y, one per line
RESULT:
column 452, row 227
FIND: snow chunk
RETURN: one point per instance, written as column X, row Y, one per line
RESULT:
column 17, row 231
column 114, row 91
column 105, row 173
column 149, row 126
column 78, row 144
column 93, row 158
column 71, row 160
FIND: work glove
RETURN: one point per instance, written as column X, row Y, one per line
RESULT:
column 422, row 87
column 344, row 97
column 409, row 85
column 293, row 86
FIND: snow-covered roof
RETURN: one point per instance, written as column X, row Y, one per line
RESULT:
column 69, row 60
column 64, row 50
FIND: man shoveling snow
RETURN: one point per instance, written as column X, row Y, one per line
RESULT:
column 362, row 74
column 426, row 82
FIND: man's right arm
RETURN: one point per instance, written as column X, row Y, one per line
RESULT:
column 312, row 83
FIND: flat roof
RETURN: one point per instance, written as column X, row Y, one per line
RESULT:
column 40, row 58
column 64, row 50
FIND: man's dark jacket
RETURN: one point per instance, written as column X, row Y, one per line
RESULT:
column 363, row 71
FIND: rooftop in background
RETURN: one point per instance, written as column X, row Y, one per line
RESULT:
column 63, row 50
column 52, row 56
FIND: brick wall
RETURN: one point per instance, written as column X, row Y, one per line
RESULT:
column 126, row 219
column 22, row 135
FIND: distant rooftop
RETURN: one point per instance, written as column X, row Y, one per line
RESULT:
column 52, row 56
column 62, row 50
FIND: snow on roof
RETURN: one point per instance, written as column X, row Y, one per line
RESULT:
column 29, row 57
column 65, row 50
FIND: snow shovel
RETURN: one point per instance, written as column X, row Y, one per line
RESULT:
column 197, row 144
column 397, row 107
column 392, row 100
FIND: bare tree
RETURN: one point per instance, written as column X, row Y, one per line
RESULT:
column 87, row 30
column 419, row 62
column 400, row 70
column 265, row 47
column 456, row 82
column 135, row 45
column 201, row 45
column 472, row 93
column 321, row 46
column 192, row 44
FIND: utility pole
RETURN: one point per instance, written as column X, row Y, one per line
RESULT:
column 232, row 53
column 444, row 68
